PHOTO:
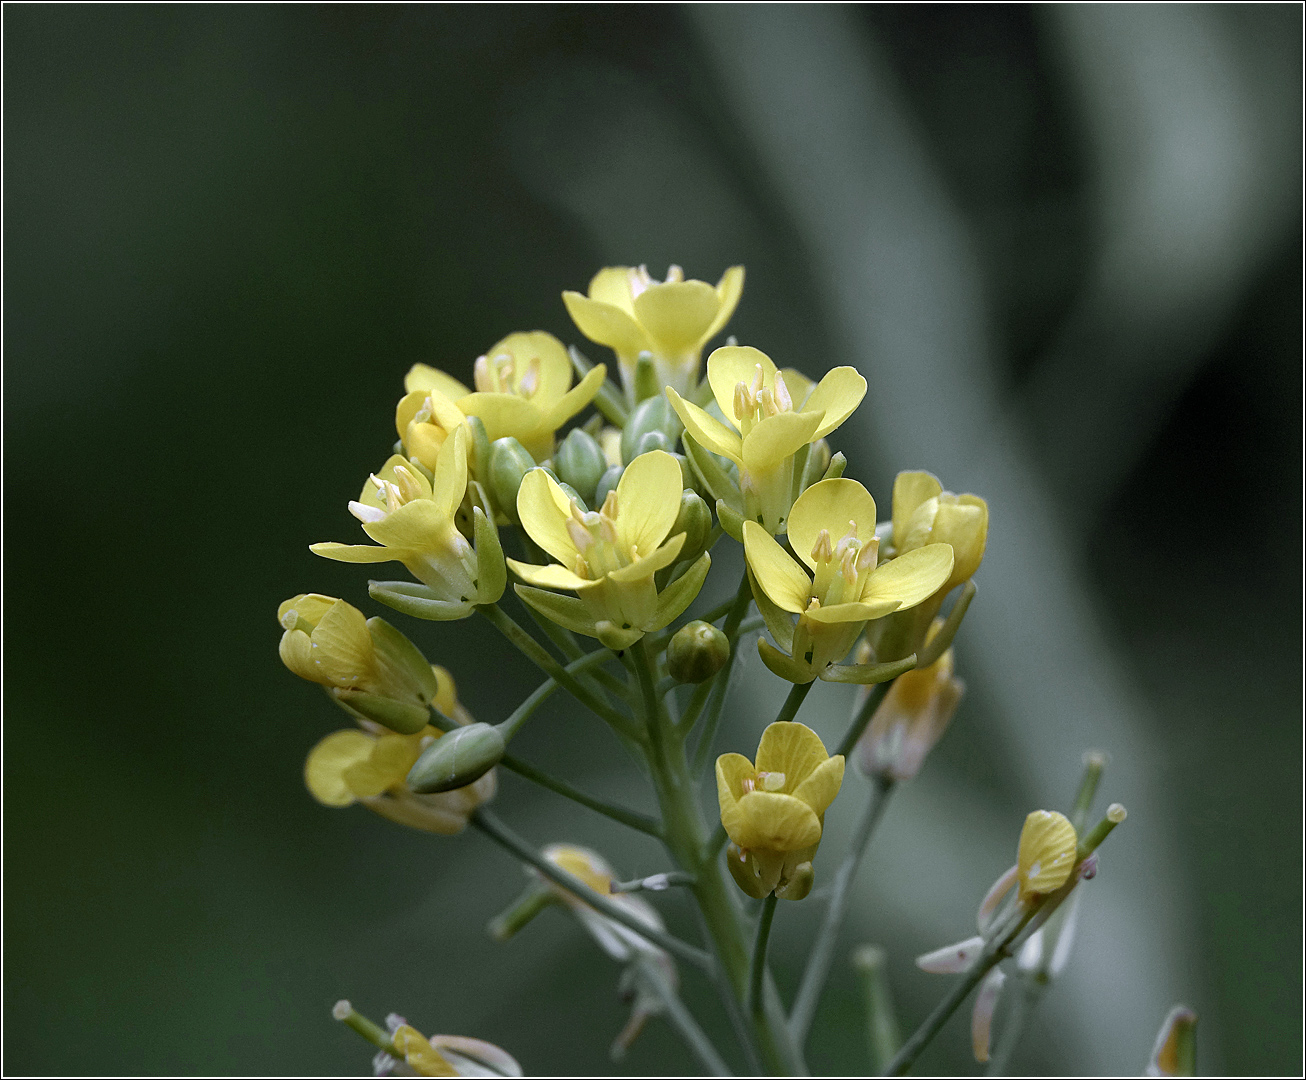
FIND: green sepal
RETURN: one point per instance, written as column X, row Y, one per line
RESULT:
column 418, row 601
column 869, row 674
column 680, row 593
column 801, row 457
column 568, row 612
column 614, row 637
column 478, row 457
column 778, row 621
column 608, row 400
column 731, row 520
column 719, row 483
column 402, row 658
column 938, row 644
column 837, row 465
column 400, row 716
column 783, row 664
column 646, row 377
column 818, row 460
column 491, row 571
column 608, row 482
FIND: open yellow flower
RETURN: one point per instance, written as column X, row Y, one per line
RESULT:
column 923, row 513
column 630, row 312
column 358, row 766
column 771, row 424
column 523, row 390
column 774, row 811
column 847, row 586
column 412, row 518
column 609, row 557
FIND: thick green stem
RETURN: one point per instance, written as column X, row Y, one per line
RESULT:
column 818, row 964
column 757, row 970
column 793, row 702
column 721, row 683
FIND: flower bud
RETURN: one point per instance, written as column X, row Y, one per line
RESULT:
column 456, row 759
column 695, row 521
column 607, row 482
column 1175, row 1052
column 509, row 462
column 478, row 452
column 580, row 463
column 697, row 651
column 653, row 415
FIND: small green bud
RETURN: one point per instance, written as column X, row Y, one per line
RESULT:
column 696, row 652
column 573, row 494
column 580, row 462
column 607, row 482
column 456, row 759
column 695, row 521
column 652, row 440
column 478, row 457
column 509, row 462
column 654, row 414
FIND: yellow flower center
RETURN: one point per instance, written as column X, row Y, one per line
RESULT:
column 842, row 568
column 595, row 537
column 500, row 375
column 392, row 494
column 755, row 403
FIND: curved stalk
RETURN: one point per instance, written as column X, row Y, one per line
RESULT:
column 758, row 968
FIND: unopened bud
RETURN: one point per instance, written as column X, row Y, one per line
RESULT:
column 1175, row 1052
column 509, row 462
column 456, row 759
column 653, row 415
column 697, row 651
column 695, row 521
column 607, row 482
column 478, row 450
column 580, row 463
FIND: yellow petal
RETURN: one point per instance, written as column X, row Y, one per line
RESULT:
column 503, row 415
column 820, row 788
column 1047, row 853
column 575, row 399
column 793, row 749
column 707, row 430
column 773, row 822
column 423, row 377
column 910, row 489
column 731, row 772
column 552, row 576
column 308, row 608
column 830, row 505
column 677, row 315
column 775, row 571
column 413, row 527
column 777, row 437
column 554, row 369
column 369, row 496
column 296, row 651
column 835, row 397
column 859, row 612
column 606, row 324
column 611, row 285
column 450, row 481
column 544, row 509
column 394, row 755
column 728, row 291
column 910, row 578
column 648, row 501
column 650, row 564
column 733, row 364
column 964, row 525
column 355, row 553
column 327, row 761
column 342, row 646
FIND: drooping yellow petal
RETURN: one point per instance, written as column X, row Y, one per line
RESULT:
column 450, row 481
column 732, row 364
column 648, row 501
column 910, row 489
column 782, row 579
column 607, row 325
column 792, row 749
column 327, row 761
column 342, row 645
column 503, row 415
column 355, row 553
column 410, row 528
column 729, row 289
column 772, row 822
column 858, row 612
column 836, row 396
column 777, row 437
column 423, row 377
column 1047, row 853
column 731, row 772
column 552, row 576
column 296, row 650
column 676, row 315
column 830, row 505
column 964, row 525
column 544, row 509
column 575, row 399
column 706, row 429
column 394, row 755
column 820, row 788
column 910, row 578
column 647, row 565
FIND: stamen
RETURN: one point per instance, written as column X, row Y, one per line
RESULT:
column 757, row 381
column 870, row 555
column 784, row 403
column 674, row 273
column 366, row 514
column 848, row 563
column 771, row 781
column 407, row 484
column 481, row 375
column 822, row 550
column 530, row 382
column 743, row 402
column 748, row 787
column 609, row 507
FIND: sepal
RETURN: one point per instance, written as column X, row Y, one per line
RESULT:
column 419, row 601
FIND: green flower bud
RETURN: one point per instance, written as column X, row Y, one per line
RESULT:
column 608, row 482
column 509, row 462
column 456, row 759
column 655, row 414
column 652, row 440
column 695, row 521
column 580, row 462
column 696, row 652
column 478, row 456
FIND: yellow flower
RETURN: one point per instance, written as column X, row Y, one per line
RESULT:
column 412, row 518
column 630, row 313
column 848, row 586
column 367, row 666
column 911, row 719
column 609, row 557
column 359, row 766
column 774, row 811
column 771, row 423
column 923, row 513
column 523, row 390
column 1046, row 855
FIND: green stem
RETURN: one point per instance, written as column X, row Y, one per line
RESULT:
column 818, row 964
column 683, row 1021
column 1022, row 1008
column 369, row 1029
column 873, row 698
column 758, row 968
column 696, row 702
column 720, row 684
column 797, row 694
column 545, row 690
column 539, row 656
column 489, row 824
column 1094, row 763
column 882, row 1037
column 632, row 818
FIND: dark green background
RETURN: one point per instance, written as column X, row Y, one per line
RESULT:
column 228, row 233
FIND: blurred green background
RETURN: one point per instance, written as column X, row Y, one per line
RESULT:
column 1063, row 245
